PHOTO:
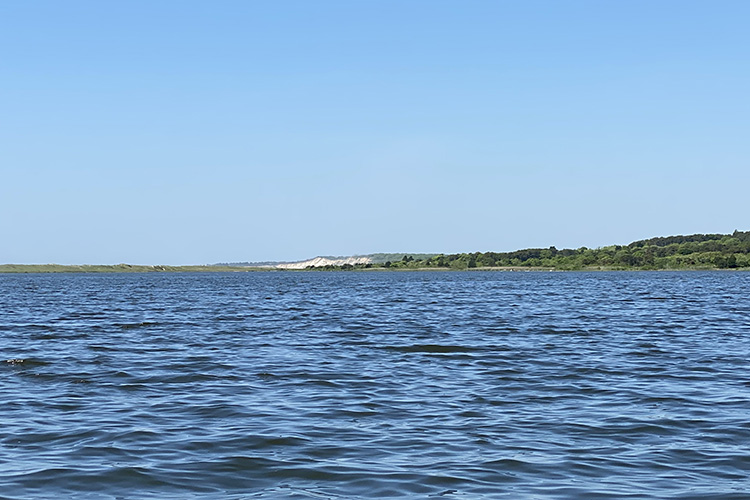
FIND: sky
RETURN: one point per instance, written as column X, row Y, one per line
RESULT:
column 193, row 132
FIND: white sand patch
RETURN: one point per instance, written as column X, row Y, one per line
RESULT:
column 322, row 261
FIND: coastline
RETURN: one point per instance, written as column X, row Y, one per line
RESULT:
column 119, row 268
column 696, row 252
column 127, row 268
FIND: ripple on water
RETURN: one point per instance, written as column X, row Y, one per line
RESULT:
column 376, row 385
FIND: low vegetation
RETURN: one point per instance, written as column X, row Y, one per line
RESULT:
column 118, row 268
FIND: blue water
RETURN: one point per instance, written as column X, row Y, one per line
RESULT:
column 375, row 385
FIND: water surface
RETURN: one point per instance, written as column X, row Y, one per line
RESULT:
column 375, row 385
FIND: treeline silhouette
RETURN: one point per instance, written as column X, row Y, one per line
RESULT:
column 695, row 251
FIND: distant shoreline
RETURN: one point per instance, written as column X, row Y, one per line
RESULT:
column 119, row 268
column 125, row 268
column 695, row 252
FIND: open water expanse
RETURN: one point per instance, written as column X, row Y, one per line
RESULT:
column 335, row 385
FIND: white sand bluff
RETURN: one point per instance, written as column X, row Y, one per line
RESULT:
column 322, row 261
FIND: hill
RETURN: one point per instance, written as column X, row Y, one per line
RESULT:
column 695, row 251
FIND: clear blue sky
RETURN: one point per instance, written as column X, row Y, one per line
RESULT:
column 185, row 132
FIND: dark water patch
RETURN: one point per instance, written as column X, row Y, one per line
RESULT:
column 25, row 362
column 34, row 326
column 431, row 348
column 103, row 347
column 230, row 318
column 130, row 326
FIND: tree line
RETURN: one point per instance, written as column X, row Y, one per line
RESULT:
column 695, row 251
